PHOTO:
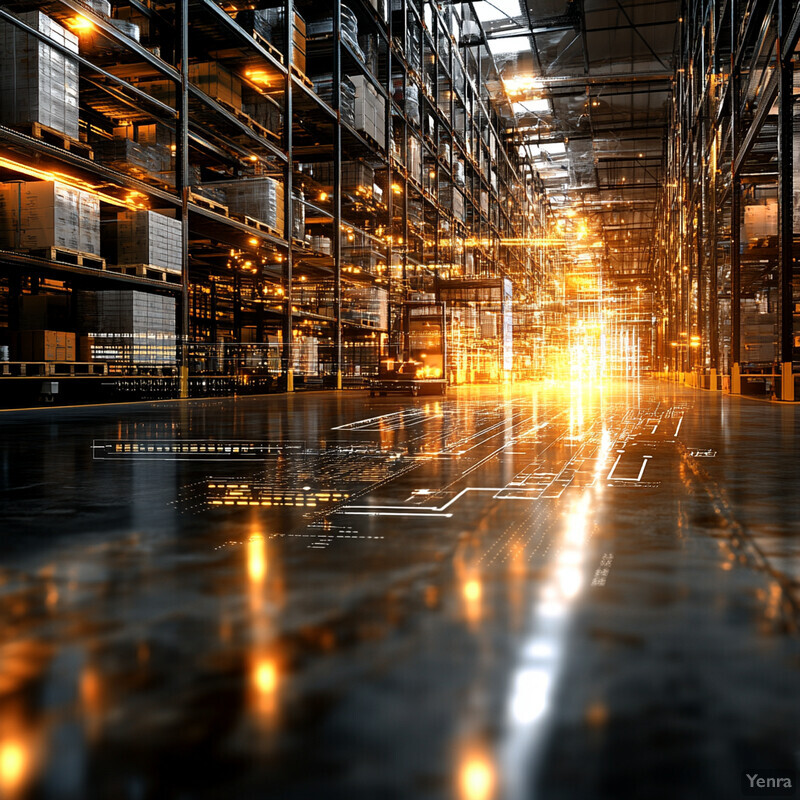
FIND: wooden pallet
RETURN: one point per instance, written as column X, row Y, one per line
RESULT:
column 22, row 369
column 44, row 369
column 269, row 47
column 256, row 223
column 262, row 226
column 65, row 255
column 257, row 127
column 211, row 205
column 302, row 77
column 148, row 271
column 77, row 368
column 52, row 136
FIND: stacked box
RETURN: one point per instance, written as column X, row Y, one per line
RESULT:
column 357, row 177
column 130, row 29
column 414, row 159
column 453, row 199
column 265, row 111
column 274, row 17
column 406, row 94
column 258, row 21
column 260, row 198
column 324, row 27
column 365, row 305
column 305, row 355
column 102, row 7
column 43, row 346
column 370, row 109
column 368, row 43
column 38, row 83
column 147, row 237
column 210, row 77
column 414, row 51
column 217, row 82
column 43, row 214
column 458, row 172
column 123, row 153
column 322, row 244
column 323, row 86
column 129, row 327
column 298, row 215
column 761, row 220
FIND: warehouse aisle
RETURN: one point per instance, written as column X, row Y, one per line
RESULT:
column 534, row 592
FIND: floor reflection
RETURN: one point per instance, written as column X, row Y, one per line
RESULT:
column 483, row 597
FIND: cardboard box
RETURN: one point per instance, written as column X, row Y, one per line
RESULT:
column 43, row 346
column 38, row 83
column 147, row 237
column 42, row 214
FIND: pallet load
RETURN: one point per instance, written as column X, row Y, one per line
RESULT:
column 259, row 198
column 38, row 84
column 370, row 110
column 274, row 19
column 323, row 27
column 147, row 239
column 365, row 305
column 127, row 328
column 43, row 346
column 49, row 215
column 323, row 86
column 210, row 77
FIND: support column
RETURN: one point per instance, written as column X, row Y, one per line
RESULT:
column 736, row 202
column 183, row 185
column 288, row 204
column 785, row 202
column 337, row 194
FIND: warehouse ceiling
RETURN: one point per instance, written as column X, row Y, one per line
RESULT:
column 589, row 83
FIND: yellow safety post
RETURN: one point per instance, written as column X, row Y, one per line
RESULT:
column 736, row 380
column 787, row 382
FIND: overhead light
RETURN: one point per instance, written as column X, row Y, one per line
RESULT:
column 80, row 24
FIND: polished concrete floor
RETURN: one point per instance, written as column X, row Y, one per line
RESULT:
column 556, row 592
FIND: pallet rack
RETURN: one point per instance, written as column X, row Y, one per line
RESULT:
column 464, row 208
column 726, row 251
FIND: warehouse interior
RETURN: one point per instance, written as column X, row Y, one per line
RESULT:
column 398, row 399
column 213, row 200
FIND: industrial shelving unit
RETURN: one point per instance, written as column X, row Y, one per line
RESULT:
column 195, row 107
column 725, row 255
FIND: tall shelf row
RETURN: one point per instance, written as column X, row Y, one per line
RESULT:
column 725, row 255
column 285, row 178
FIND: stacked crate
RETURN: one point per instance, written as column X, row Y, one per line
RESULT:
column 38, row 215
column 323, row 86
column 43, row 345
column 260, row 198
column 274, row 18
column 323, row 27
column 38, row 84
column 370, row 110
column 208, row 76
column 127, row 328
column 149, row 238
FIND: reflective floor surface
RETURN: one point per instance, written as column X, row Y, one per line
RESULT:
column 557, row 592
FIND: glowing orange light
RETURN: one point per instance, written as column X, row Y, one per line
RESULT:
column 472, row 590
column 265, row 676
column 256, row 559
column 476, row 779
column 80, row 24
